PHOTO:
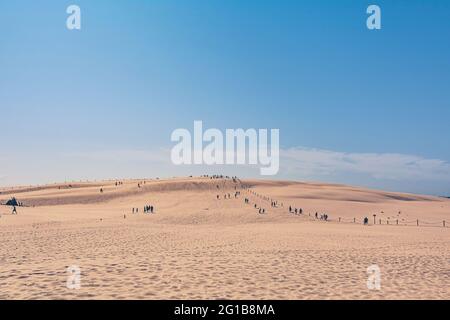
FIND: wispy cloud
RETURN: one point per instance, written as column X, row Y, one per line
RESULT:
column 309, row 163
column 392, row 171
column 383, row 166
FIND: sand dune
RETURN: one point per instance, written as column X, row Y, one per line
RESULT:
column 195, row 246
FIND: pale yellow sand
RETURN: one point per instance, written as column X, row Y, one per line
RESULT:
column 198, row 247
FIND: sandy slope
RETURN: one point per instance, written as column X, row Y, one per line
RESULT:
column 196, row 246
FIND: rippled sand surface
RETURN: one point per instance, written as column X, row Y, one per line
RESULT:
column 196, row 246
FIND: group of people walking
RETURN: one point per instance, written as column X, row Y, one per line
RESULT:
column 323, row 216
column 260, row 209
column 147, row 209
column 228, row 195
column 219, row 176
column 295, row 210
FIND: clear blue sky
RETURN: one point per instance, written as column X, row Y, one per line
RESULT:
column 137, row 70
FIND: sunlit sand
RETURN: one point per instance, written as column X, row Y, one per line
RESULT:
column 195, row 246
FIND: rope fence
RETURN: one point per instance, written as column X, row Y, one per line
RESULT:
column 374, row 221
column 395, row 222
